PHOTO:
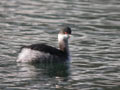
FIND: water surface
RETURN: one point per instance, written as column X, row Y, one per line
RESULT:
column 94, row 45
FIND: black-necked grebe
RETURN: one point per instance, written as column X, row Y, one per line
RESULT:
column 45, row 53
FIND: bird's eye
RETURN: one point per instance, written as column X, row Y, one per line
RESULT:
column 66, row 33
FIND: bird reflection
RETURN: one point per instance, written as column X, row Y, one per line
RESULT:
column 42, row 70
column 53, row 69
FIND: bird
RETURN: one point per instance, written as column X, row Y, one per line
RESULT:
column 37, row 53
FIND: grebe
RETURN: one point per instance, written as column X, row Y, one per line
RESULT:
column 44, row 53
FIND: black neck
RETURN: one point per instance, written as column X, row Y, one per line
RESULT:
column 63, row 45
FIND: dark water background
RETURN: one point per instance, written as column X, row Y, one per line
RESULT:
column 94, row 45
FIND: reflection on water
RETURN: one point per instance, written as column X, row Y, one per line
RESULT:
column 51, row 70
column 94, row 45
column 42, row 73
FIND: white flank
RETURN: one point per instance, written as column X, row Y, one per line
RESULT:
column 28, row 55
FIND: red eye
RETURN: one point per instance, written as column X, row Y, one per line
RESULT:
column 66, row 33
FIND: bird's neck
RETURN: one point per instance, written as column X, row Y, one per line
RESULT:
column 63, row 45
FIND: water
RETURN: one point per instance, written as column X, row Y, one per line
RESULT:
column 94, row 45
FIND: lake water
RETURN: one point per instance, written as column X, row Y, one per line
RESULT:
column 94, row 45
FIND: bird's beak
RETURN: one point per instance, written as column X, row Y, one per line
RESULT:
column 69, row 35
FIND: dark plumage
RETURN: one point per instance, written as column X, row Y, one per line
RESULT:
column 44, row 53
column 46, row 49
column 66, row 29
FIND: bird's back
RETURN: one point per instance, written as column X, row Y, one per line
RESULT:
column 41, row 53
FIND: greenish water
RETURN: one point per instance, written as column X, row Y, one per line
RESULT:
column 94, row 45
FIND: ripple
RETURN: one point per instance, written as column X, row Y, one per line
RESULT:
column 94, row 44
